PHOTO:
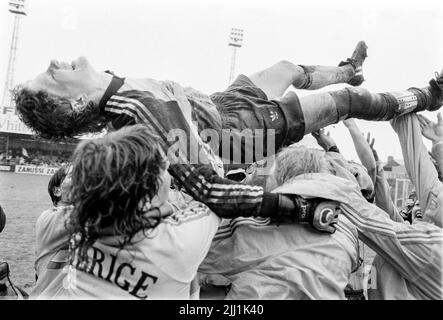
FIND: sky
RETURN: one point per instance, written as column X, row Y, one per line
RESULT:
column 187, row 42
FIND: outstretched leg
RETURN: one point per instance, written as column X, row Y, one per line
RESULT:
column 275, row 80
column 322, row 109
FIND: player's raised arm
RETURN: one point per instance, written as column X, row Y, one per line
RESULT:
column 362, row 147
column 420, row 168
column 434, row 132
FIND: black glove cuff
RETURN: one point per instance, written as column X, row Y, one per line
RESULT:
column 294, row 208
column 286, row 208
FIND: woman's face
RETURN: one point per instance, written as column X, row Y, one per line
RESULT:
column 416, row 213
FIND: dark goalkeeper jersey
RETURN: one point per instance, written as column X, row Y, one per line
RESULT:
column 168, row 110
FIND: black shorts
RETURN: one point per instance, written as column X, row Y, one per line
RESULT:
column 245, row 106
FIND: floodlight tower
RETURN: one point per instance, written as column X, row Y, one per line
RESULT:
column 235, row 42
column 18, row 9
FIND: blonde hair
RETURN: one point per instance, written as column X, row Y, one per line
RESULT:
column 296, row 160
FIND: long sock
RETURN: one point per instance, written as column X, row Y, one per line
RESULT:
column 316, row 77
column 360, row 103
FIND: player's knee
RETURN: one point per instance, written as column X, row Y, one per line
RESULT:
column 300, row 76
column 287, row 65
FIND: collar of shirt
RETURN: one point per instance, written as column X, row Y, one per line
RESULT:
column 114, row 86
column 322, row 185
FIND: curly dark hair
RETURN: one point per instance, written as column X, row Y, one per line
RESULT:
column 113, row 177
column 52, row 117
column 55, row 182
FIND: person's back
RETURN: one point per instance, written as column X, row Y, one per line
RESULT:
column 159, row 264
column 51, row 248
column 290, row 261
column 118, row 250
column 51, row 242
column 390, row 284
column 418, row 274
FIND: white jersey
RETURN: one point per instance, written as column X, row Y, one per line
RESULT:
column 413, row 252
column 159, row 264
column 286, row 261
column 420, row 168
column 51, row 247
column 411, row 268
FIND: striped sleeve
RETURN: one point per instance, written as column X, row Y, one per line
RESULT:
column 415, row 251
column 189, row 167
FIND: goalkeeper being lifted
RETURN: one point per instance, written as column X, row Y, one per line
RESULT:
column 72, row 98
